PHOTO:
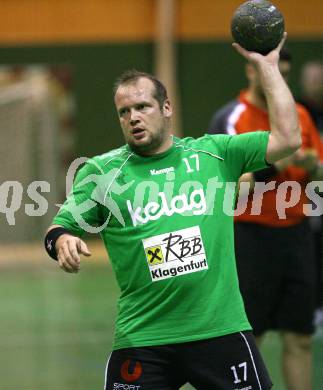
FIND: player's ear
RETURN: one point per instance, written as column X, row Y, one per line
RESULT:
column 167, row 108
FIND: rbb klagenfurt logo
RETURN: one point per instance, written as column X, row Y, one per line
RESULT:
column 154, row 255
column 176, row 253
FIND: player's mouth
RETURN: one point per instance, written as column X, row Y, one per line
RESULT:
column 138, row 133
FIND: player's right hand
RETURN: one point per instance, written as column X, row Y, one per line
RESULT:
column 68, row 249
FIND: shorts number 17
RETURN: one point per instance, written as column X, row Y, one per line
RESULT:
column 242, row 370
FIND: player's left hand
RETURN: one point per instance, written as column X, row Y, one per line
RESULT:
column 69, row 250
column 257, row 58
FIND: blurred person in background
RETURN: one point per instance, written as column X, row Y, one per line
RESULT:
column 275, row 258
column 311, row 81
column 180, row 313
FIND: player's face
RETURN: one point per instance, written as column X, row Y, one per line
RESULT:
column 144, row 123
column 312, row 81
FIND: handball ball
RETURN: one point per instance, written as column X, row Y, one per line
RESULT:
column 257, row 25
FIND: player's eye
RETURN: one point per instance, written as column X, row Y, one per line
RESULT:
column 123, row 112
column 141, row 107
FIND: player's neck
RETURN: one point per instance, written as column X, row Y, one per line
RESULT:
column 256, row 99
column 163, row 147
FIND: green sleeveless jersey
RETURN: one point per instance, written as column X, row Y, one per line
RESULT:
column 167, row 222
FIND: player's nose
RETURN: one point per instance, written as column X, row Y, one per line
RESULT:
column 134, row 122
column 134, row 118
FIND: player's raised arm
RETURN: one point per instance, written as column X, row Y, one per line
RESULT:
column 285, row 137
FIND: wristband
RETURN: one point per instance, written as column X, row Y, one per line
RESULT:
column 265, row 174
column 50, row 240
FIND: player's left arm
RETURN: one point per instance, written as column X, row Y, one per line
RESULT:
column 285, row 135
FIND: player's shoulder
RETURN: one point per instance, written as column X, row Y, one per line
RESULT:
column 227, row 108
column 220, row 117
column 101, row 164
column 111, row 159
column 302, row 111
column 306, row 121
column 219, row 142
column 208, row 143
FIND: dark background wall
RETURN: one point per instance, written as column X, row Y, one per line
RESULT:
column 101, row 38
column 94, row 69
column 209, row 74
